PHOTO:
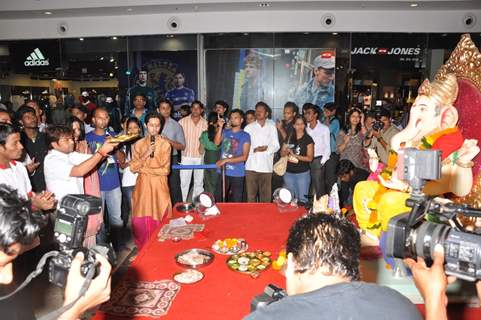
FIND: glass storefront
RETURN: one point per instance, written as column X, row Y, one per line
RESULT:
column 368, row 69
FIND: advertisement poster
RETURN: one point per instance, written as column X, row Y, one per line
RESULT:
column 244, row 77
column 162, row 74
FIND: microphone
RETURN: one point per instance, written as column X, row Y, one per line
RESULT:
column 152, row 143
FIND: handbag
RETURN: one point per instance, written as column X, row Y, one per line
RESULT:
column 280, row 166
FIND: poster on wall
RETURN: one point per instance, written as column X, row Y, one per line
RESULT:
column 162, row 74
column 275, row 76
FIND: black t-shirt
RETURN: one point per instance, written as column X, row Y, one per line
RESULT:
column 344, row 301
column 299, row 147
column 37, row 149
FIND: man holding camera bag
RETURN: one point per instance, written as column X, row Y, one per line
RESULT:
column 18, row 229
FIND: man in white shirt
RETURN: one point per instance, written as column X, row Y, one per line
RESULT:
column 322, row 148
column 259, row 164
column 14, row 174
column 65, row 168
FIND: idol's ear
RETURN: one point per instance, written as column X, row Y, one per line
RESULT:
column 449, row 117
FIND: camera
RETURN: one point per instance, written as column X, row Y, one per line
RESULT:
column 272, row 293
column 378, row 125
column 410, row 235
column 69, row 233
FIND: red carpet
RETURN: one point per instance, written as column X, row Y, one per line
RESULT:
column 225, row 294
column 222, row 294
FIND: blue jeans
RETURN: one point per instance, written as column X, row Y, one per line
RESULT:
column 299, row 184
column 112, row 199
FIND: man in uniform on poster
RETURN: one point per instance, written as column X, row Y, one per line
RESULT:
column 180, row 95
column 320, row 89
column 141, row 89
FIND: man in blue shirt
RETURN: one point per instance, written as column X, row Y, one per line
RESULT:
column 109, row 179
column 320, row 89
column 234, row 152
column 180, row 95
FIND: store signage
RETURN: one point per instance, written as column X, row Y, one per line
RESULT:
column 36, row 58
column 386, row 51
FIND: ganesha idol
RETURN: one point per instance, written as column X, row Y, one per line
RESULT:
column 432, row 126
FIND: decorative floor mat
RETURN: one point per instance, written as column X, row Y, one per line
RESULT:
column 142, row 298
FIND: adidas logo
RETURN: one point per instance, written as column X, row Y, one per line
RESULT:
column 36, row 58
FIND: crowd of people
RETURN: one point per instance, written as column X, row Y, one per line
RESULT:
column 61, row 153
column 42, row 161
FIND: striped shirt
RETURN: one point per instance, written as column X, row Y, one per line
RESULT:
column 192, row 134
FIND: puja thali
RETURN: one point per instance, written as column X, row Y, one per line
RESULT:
column 188, row 276
column 123, row 138
column 194, row 258
column 249, row 262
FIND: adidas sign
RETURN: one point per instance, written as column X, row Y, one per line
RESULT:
column 36, row 58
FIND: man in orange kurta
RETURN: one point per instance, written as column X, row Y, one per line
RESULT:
column 150, row 200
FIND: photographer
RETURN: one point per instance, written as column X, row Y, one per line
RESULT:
column 379, row 138
column 18, row 228
column 432, row 283
column 322, row 277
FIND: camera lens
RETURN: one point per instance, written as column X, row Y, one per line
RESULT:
column 423, row 239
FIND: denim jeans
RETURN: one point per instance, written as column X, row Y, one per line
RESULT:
column 112, row 199
column 126, row 203
column 299, row 184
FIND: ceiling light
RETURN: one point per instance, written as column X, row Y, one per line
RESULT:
column 112, row 59
column 81, row 39
column 306, row 32
column 101, row 58
column 129, row 9
column 48, row 12
column 114, row 38
column 111, row 75
column 246, row 34
column 444, row 34
column 170, row 36
column 264, row 4
column 116, row 67
column 413, row 5
column 334, row 33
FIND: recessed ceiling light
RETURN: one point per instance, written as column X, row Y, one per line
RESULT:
column 129, row 9
column 111, row 75
column 413, row 5
column 116, row 67
column 170, row 36
column 246, row 34
column 101, row 58
column 444, row 34
column 264, row 4
column 112, row 59
column 48, row 12
column 306, row 32
column 114, row 38
column 334, row 33
column 81, row 39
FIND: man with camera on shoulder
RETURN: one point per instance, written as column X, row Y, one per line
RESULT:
column 322, row 277
column 18, row 229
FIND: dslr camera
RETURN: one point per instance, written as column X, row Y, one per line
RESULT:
column 378, row 125
column 272, row 293
column 430, row 222
column 69, row 233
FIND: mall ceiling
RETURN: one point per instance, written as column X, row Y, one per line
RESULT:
column 30, row 19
